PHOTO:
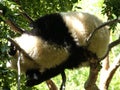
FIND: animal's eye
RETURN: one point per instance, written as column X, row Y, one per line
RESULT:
column 12, row 50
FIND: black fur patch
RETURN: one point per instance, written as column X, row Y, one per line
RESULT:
column 49, row 73
column 78, row 55
column 52, row 28
column 31, row 81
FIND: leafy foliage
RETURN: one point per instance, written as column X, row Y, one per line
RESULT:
column 112, row 9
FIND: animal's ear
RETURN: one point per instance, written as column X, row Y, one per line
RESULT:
column 12, row 49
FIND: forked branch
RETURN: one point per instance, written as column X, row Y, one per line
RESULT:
column 93, row 72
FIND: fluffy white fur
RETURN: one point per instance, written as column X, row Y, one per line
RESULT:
column 46, row 55
column 81, row 25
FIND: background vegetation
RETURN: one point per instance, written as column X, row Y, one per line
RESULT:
column 14, row 9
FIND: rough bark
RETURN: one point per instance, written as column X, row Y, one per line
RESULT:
column 90, row 84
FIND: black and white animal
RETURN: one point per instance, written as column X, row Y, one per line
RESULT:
column 57, row 42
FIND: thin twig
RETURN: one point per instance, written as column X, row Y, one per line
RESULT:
column 111, row 45
column 101, row 26
column 27, row 17
column 18, row 65
column 114, row 43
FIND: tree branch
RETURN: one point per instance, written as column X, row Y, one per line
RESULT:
column 112, row 70
column 14, row 27
column 90, row 84
column 107, row 75
column 114, row 43
column 51, row 85
column 27, row 17
column 101, row 26
column 111, row 45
